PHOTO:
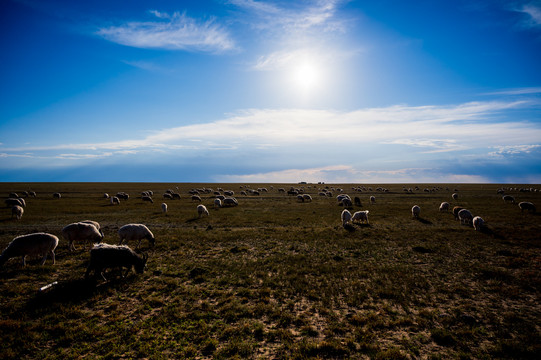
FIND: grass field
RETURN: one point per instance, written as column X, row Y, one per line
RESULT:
column 277, row 278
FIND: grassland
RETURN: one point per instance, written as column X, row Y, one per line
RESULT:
column 276, row 278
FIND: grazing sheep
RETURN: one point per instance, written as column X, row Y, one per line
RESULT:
column 508, row 198
column 360, row 216
column 217, row 203
column 32, row 193
column 357, row 201
column 444, row 206
column 105, row 196
column 13, row 202
column 147, row 198
column 114, row 200
column 455, row 196
column 105, row 256
column 176, row 196
column 122, row 195
column 57, row 195
column 465, row 216
column 307, row 197
column 196, row 198
column 372, row 199
column 230, row 201
column 31, row 244
column 346, row 202
column 136, row 232
column 202, row 209
column 345, row 216
column 82, row 231
column 17, row 211
column 456, row 210
column 478, row 223
column 168, row 196
column 164, row 208
column 415, row 211
column 229, row 193
column 13, row 195
column 525, row 205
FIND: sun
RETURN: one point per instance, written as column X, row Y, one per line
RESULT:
column 306, row 76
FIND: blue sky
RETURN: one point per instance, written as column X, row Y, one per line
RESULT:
column 270, row 91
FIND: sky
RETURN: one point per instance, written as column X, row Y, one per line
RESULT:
column 248, row 91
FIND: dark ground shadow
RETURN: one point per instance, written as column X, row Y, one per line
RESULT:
column 424, row 221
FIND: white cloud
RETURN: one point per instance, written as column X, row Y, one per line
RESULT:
column 517, row 91
column 514, row 149
column 172, row 32
column 533, row 10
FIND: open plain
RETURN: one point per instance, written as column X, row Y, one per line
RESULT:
column 277, row 278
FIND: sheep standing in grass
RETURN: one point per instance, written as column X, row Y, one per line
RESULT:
column 508, row 198
column 415, row 211
column 372, row 199
column 196, row 198
column 114, row 200
column 456, row 210
column 465, row 216
column 37, row 244
column 147, row 198
column 105, row 256
column 230, row 201
column 345, row 217
column 57, row 195
column 82, row 231
column 455, row 196
column 202, row 209
column 478, row 223
column 164, row 208
column 525, row 205
column 360, row 216
column 13, row 202
column 444, row 206
column 135, row 232
column 217, row 203
column 307, row 197
column 17, row 211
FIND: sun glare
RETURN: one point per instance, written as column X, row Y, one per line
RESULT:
column 306, row 76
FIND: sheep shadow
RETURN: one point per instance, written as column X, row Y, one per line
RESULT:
column 424, row 221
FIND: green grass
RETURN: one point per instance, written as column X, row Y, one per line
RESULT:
column 275, row 278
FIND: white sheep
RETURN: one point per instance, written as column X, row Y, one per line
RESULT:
column 478, row 223
column 57, row 195
column 135, row 232
column 13, row 202
column 372, row 199
column 82, row 231
column 41, row 244
column 345, row 216
column 202, row 209
column 164, row 208
column 147, row 198
column 465, row 216
column 525, row 205
column 444, row 206
column 17, row 211
column 307, row 197
column 360, row 216
column 104, row 256
column 217, row 203
column 114, row 200
column 455, row 196
column 416, row 211
column 230, row 201
column 508, row 198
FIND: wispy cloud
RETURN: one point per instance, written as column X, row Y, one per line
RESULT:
column 533, row 10
column 515, row 149
column 172, row 32
column 517, row 91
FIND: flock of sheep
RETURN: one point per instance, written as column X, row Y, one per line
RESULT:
column 104, row 256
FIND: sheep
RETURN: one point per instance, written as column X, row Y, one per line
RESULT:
column 465, row 216
column 508, row 198
column 104, row 256
column 122, row 195
column 307, row 197
column 57, row 195
column 32, row 193
column 478, row 223
column 360, row 216
column 147, row 198
column 17, row 211
column 345, row 216
column 31, row 244
column 230, row 201
column 136, row 232
column 444, row 206
column 168, row 196
column 196, row 198
column 358, row 201
column 114, row 200
column 340, row 198
column 229, row 193
column 456, row 210
column 455, row 196
column 176, row 196
column 81, row 231
column 217, row 203
column 164, row 208
column 346, row 202
column 525, row 205
column 415, row 211
column 13, row 202
column 202, row 209
column 372, row 199
column 13, row 195
column 105, row 196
